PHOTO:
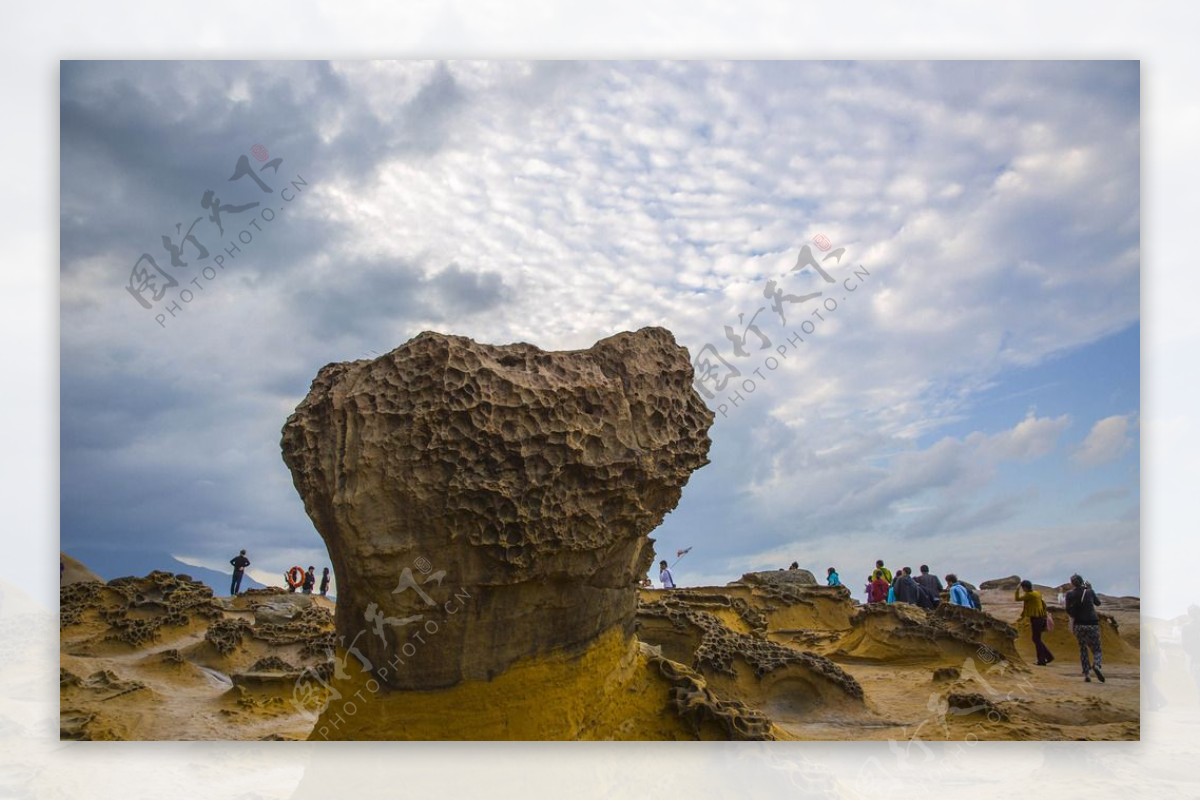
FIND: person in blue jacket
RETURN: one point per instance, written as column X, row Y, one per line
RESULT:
column 958, row 593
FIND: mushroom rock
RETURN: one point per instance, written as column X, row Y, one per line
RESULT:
column 487, row 509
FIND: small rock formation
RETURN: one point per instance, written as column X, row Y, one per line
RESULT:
column 710, row 717
column 946, row 674
column 134, row 609
column 970, row 703
column 779, row 578
column 1007, row 583
column 737, row 664
column 520, row 484
column 901, row 633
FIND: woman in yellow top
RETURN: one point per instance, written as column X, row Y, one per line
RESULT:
column 1035, row 610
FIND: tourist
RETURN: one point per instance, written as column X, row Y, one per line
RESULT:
column 1081, row 606
column 794, row 566
column 1035, row 610
column 877, row 590
column 664, row 576
column 325, row 582
column 831, row 578
column 959, row 594
column 930, row 583
column 310, row 580
column 240, row 563
column 887, row 574
column 906, row 589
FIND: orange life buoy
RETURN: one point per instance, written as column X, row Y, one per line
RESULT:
column 295, row 576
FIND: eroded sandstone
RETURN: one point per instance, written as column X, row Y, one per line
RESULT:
column 500, row 494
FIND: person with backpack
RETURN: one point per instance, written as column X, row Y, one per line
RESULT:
column 310, row 580
column 664, row 575
column 240, row 563
column 959, row 594
column 1035, row 612
column 1081, row 606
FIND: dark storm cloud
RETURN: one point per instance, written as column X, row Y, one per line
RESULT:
column 366, row 297
column 142, row 144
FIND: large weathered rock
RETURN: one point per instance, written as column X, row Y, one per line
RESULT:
column 522, row 485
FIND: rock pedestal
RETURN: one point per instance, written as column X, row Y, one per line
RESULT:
column 485, row 504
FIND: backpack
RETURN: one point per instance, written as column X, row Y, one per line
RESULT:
column 974, row 596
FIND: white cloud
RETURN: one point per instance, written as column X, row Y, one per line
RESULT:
column 1108, row 440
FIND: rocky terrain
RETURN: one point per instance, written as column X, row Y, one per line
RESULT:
column 824, row 667
column 161, row 658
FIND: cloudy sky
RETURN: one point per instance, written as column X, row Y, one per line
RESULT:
column 964, row 392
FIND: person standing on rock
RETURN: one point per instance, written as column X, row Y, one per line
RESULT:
column 664, row 575
column 1035, row 611
column 240, row 563
column 1081, row 606
column 930, row 583
column 832, row 579
column 310, row 580
column 325, row 582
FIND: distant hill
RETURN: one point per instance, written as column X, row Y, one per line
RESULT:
column 107, row 566
column 74, row 571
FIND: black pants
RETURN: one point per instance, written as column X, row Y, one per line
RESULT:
column 1038, row 625
column 237, row 582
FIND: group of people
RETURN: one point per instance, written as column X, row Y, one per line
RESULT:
column 924, row 589
column 308, row 581
column 306, row 584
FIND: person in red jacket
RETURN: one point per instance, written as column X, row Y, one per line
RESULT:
column 877, row 590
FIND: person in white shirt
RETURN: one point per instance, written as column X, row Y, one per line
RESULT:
column 664, row 575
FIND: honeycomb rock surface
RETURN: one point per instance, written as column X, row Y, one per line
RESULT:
column 522, row 483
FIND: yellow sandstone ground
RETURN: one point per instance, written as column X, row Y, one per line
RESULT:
column 614, row 690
